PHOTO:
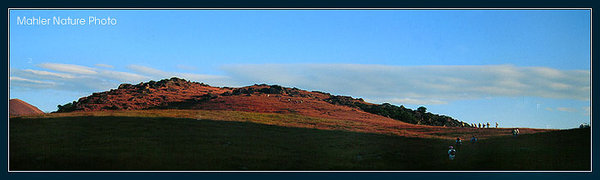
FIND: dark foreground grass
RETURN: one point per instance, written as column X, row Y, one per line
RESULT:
column 132, row 143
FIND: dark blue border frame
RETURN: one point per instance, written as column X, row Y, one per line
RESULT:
column 303, row 3
column 298, row 4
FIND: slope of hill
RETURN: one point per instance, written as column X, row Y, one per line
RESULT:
column 378, row 126
column 19, row 107
column 178, row 93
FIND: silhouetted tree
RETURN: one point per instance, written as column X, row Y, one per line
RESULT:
column 422, row 109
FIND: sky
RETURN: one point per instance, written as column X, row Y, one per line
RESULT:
column 520, row 68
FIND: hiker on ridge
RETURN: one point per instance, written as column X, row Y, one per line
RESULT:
column 473, row 139
column 515, row 132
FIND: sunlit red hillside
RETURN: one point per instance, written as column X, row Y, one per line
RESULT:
column 19, row 107
column 177, row 93
column 269, row 104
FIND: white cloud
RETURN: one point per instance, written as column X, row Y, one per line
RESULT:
column 565, row 109
column 76, row 78
column 69, row 68
column 123, row 76
column 413, row 101
column 421, row 84
column 46, row 74
column 104, row 65
column 214, row 80
column 148, row 71
column 418, row 85
column 81, row 79
column 29, row 83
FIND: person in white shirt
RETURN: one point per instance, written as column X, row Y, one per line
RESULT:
column 451, row 153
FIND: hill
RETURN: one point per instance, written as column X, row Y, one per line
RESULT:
column 19, row 107
column 178, row 93
column 164, row 143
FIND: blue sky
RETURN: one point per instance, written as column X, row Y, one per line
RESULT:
column 520, row 68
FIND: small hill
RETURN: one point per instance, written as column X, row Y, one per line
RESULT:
column 19, row 107
column 176, row 93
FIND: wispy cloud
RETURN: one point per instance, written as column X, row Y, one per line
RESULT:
column 80, row 78
column 104, row 65
column 586, row 109
column 29, row 83
column 215, row 80
column 68, row 68
column 43, row 74
column 566, row 109
column 421, row 101
column 122, row 76
column 71, row 78
column 148, row 71
column 421, row 84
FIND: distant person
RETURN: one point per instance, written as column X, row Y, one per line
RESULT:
column 451, row 153
column 458, row 143
column 473, row 139
column 479, row 125
column 488, row 125
column 496, row 124
column 515, row 132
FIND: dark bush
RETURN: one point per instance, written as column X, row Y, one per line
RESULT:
column 420, row 116
column 67, row 107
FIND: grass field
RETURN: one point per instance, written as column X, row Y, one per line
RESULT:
column 364, row 124
column 170, row 143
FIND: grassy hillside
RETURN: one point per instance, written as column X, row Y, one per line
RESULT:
column 159, row 143
column 355, row 124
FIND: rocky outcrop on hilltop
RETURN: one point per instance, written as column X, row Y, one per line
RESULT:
column 146, row 95
column 176, row 93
